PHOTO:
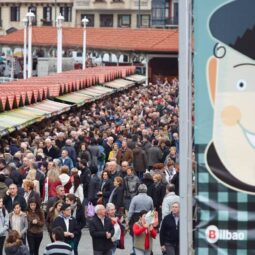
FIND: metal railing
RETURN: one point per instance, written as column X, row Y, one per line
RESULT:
column 165, row 22
column 172, row 21
column 6, row 79
column 46, row 23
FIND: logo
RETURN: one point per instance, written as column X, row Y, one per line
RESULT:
column 213, row 234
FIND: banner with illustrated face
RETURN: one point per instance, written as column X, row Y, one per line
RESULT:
column 224, row 76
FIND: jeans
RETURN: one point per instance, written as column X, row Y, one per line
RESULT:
column 2, row 239
column 171, row 249
column 34, row 241
column 77, row 239
column 109, row 252
column 115, row 244
column 100, row 166
column 142, row 252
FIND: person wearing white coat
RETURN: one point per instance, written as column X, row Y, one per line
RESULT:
column 77, row 188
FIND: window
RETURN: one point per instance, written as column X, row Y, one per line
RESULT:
column 15, row 13
column 66, row 12
column 144, row 20
column 124, row 20
column 1, row 17
column 175, row 13
column 47, row 14
column 106, row 20
column 91, row 19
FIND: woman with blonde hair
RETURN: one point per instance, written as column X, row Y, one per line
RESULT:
column 32, row 177
column 29, row 192
column 113, row 153
column 158, row 193
column 51, row 182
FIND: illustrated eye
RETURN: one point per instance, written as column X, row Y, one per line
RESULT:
column 241, row 85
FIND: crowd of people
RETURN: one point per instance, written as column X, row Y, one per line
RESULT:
column 111, row 166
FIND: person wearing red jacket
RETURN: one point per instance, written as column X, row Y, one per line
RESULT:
column 143, row 235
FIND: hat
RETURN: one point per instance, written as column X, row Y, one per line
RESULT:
column 142, row 188
column 64, row 207
column 234, row 25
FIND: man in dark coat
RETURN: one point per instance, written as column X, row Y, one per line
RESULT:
column 13, row 197
column 139, row 160
column 94, row 185
column 169, row 231
column 67, row 223
column 101, row 231
column 50, row 150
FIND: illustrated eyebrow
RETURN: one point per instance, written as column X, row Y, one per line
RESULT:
column 244, row 64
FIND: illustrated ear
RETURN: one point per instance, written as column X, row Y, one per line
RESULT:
column 212, row 69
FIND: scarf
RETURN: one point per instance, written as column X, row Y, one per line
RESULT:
column 111, row 196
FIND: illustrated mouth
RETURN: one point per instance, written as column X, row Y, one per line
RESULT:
column 250, row 136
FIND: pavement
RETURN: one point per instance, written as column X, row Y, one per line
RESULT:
column 85, row 245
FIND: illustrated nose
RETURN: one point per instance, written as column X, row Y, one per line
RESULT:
column 231, row 115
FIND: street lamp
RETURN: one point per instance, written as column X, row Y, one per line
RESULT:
column 84, row 53
column 139, row 13
column 59, row 22
column 30, row 17
column 25, row 21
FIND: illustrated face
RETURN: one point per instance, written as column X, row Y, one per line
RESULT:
column 233, row 97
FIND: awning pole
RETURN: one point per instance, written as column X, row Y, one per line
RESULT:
column 185, row 95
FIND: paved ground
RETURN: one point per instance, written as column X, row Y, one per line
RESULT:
column 85, row 246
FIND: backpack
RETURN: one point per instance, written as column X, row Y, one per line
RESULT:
column 101, row 156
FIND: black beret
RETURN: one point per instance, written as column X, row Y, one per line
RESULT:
column 234, row 25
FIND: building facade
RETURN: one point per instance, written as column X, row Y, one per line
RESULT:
column 100, row 13
column 114, row 13
column 13, row 12
column 164, row 13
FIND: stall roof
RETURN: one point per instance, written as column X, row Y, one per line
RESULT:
column 27, row 115
column 25, row 92
column 121, row 39
column 119, row 84
column 136, row 78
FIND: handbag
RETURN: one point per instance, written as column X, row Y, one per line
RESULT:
column 121, row 243
column 90, row 210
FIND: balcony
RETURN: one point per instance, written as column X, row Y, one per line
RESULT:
column 82, row 3
column 117, row 2
column 172, row 22
column 142, row 3
column 46, row 22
